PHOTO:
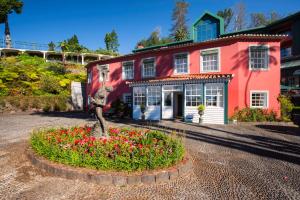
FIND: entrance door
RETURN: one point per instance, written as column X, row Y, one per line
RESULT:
column 179, row 105
column 167, row 106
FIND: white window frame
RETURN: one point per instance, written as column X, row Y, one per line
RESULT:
column 143, row 72
column 141, row 96
column 219, row 99
column 194, row 95
column 90, row 76
column 268, row 59
column 100, row 77
column 157, row 97
column 123, row 71
column 188, row 63
column 127, row 95
column 219, row 60
column 259, row 91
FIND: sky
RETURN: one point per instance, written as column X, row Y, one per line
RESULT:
column 43, row 21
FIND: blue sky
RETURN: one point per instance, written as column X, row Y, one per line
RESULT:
column 56, row 20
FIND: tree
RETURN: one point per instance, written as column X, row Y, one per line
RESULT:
column 261, row 19
column 111, row 41
column 51, row 46
column 258, row 19
column 8, row 7
column 179, row 31
column 227, row 15
column 71, row 45
column 154, row 39
column 240, row 17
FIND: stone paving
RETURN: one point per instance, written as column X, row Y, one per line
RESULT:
column 230, row 162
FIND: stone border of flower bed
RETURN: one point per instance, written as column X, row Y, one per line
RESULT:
column 108, row 177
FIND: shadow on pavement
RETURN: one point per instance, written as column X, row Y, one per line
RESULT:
column 255, row 144
column 286, row 130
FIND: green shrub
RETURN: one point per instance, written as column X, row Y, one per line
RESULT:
column 254, row 115
column 286, row 107
column 47, row 107
column 125, row 149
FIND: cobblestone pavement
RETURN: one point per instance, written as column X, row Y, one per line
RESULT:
column 230, row 162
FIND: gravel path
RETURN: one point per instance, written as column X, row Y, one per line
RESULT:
column 230, row 162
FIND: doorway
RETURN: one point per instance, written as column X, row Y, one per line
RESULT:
column 178, row 105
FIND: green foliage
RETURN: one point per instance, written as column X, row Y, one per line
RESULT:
column 286, row 107
column 254, row 115
column 24, row 103
column 179, row 31
column 27, row 75
column 111, row 41
column 125, row 150
column 121, row 108
column 51, row 46
column 227, row 15
column 201, row 108
column 8, row 7
column 154, row 39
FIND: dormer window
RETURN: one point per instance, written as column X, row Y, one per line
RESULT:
column 207, row 27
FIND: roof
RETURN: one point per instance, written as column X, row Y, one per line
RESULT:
column 162, row 45
column 221, row 20
column 261, row 28
column 185, row 77
column 277, row 37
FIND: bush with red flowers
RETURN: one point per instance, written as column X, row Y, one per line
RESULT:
column 125, row 150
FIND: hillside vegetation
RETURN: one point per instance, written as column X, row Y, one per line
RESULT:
column 27, row 75
column 28, row 83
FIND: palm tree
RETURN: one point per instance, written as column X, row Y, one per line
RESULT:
column 8, row 7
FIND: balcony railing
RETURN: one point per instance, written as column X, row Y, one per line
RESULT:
column 25, row 45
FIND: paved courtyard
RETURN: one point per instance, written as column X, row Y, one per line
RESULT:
column 230, row 162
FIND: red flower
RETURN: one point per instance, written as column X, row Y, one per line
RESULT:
column 140, row 146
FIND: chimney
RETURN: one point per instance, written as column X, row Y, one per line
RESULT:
column 140, row 46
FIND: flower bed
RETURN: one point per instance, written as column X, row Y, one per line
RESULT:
column 125, row 149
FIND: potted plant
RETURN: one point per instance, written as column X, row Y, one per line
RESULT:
column 143, row 109
column 201, row 109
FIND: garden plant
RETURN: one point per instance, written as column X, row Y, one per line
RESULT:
column 125, row 150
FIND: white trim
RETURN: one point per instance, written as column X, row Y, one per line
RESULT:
column 259, row 91
column 223, row 95
column 249, row 57
column 219, row 60
column 188, row 62
column 99, row 76
column 123, row 74
column 143, row 76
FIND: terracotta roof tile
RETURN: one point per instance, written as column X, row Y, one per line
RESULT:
column 185, row 77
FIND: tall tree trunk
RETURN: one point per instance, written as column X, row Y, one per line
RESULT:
column 7, row 33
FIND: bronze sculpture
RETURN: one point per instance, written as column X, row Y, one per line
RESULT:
column 99, row 101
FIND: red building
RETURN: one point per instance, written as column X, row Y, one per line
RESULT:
column 171, row 80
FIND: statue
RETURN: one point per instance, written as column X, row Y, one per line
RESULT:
column 99, row 101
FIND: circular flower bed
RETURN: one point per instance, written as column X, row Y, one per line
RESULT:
column 125, row 150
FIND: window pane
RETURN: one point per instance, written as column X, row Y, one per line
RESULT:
column 148, row 67
column 210, row 60
column 193, row 94
column 181, row 63
column 259, row 58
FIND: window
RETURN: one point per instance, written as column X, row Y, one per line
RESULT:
column 259, row 57
column 103, row 67
column 181, row 63
column 210, row 60
column 168, row 99
column 259, row 99
column 286, row 52
column 149, row 67
column 214, row 95
column 193, row 94
column 128, row 70
column 127, row 98
column 206, row 30
column 153, row 95
column 90, row 76
column 139, row 96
